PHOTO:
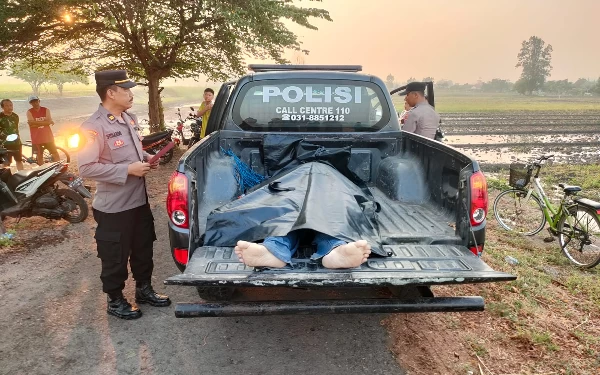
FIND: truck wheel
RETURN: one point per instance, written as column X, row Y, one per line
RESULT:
column 215, row 293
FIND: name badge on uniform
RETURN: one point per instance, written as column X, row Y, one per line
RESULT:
column 113, row 135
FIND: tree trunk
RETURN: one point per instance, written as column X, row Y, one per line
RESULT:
column 35, row 87
column 155, row 110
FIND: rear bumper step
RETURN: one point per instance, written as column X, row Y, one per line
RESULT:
column 407, row 265
column 418, row 305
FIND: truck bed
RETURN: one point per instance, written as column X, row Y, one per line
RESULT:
column 401, row 222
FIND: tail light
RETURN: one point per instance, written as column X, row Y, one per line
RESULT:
column 479, row 198
column 177, row 200
column 477, row 250
column 180, row 255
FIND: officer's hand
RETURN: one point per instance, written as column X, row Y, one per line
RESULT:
column 154, row 165
column 138, row 168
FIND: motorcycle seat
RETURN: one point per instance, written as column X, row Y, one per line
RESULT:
column 154, row 137
column 24, row 175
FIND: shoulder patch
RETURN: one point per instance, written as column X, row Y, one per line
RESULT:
column 92, row 135
column 111, row 117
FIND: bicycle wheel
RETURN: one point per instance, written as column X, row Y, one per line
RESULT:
column 62, row 155
column 579, row 237
column 518, row 213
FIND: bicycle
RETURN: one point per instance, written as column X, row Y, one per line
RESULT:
column 62, row 153
column 525, row 210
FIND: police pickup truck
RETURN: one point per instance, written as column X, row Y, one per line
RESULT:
column 285, row 143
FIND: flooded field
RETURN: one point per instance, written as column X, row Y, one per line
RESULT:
column 496, row 139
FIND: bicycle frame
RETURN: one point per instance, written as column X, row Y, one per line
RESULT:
column 551, row 212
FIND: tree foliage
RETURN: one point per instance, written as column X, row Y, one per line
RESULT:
column 33, row 74
column 497, row 85
column 155, row 39
column 561, row 87
column 67, row 74
column 444, row 83
column 535, row 59
column 596, row 88
column 37, row 74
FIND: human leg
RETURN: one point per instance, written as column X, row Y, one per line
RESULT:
column 113, row 243
column 51, row 147
column 339, row 254
column 274, row 252
column 141, row 258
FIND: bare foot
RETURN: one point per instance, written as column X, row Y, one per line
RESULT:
column 351, row 255
column 256, row 255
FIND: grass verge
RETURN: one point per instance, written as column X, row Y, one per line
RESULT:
column 545, row 322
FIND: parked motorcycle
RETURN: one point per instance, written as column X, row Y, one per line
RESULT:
column 191, row 122
column 35, row 192
column 183, row 127
column 153, row 143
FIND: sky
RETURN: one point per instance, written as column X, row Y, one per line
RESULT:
column 461, row 40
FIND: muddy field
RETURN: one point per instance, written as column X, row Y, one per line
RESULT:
column 497, row 139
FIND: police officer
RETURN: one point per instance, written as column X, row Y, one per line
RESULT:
column 114, row 158
column 422, row 119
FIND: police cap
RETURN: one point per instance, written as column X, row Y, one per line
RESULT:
column 114, row 77
column 415, row 86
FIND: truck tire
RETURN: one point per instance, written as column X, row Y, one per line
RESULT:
column 215, row 293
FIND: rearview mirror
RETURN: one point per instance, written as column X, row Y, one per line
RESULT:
column 12, row 138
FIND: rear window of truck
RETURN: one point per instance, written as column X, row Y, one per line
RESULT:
column 311, row 105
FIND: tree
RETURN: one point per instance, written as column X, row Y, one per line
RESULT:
column 156, row 39
column 389, row 81
column 534, row 58
column 33, row 74
column 445, row 83
column 521, row 86
column 596, row 88
column 428, row 79
column 497, row 85
column 67, row 75
column 558, row 87
column 582, row 86
column 411, row 79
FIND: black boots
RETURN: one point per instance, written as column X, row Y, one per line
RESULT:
column 145, row 294
column 119, row 307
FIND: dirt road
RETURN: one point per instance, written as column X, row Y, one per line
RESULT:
column 53, row 318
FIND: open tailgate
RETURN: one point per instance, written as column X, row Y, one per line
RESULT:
column 407, row 266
